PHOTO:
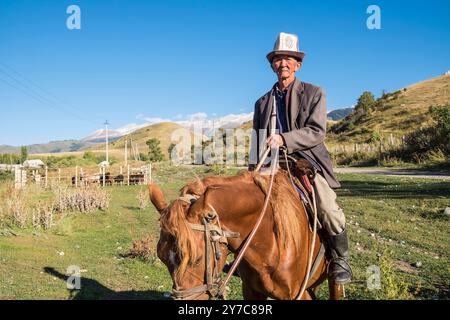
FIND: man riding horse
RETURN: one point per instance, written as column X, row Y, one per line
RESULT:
column 301, row 126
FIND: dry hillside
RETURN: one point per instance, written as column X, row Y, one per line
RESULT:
column 397, row 113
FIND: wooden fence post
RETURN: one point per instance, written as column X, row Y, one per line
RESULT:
column 76, row 176
column 59, row 175
column 46, row 177
column 103, row 172
column 18, row 178
column 150, row 173
column 128, row 175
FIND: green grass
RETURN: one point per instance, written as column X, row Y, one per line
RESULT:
column 399, row 209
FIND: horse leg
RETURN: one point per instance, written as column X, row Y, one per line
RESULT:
column 336, row 290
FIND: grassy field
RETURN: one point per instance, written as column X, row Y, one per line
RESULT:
column 393, row 223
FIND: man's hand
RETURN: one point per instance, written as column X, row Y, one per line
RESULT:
column 275, row 141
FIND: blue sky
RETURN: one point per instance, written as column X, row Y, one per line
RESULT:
column 170, row 59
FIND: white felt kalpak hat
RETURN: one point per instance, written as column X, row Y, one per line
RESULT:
column 286, row 44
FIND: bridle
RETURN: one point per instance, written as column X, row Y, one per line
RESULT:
column 214, row 237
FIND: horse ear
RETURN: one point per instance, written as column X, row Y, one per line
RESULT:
column 157, row 197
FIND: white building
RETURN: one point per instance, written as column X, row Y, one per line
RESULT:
column 34, row 164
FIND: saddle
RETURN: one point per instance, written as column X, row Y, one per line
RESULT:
column 302, row 174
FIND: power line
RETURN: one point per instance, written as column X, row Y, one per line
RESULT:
column 31, row 92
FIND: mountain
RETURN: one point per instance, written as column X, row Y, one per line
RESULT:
column 339, row 114
column 162, row 131
column 396, row 113
column 51, row 147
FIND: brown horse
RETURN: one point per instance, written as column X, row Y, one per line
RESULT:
column 274, row 265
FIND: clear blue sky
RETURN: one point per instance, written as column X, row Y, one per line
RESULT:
column 170, row 59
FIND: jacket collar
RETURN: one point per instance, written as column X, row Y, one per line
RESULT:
column 294, row 105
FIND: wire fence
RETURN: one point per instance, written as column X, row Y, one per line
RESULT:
column 78, row 176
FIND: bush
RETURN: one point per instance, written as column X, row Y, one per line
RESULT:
column 359, row 158
column 84, row 200
column 432, row 143
column 6, row 176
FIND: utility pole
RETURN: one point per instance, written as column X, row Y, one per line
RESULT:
column 107, row 151
column 126, row 151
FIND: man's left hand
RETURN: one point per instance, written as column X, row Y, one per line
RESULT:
column 275, row 141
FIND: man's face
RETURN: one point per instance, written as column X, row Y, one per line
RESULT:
column 285, row 66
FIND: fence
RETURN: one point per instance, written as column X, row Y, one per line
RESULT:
column 385, row 144
column 80, row 177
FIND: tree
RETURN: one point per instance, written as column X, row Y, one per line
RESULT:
column 441, row 115
column 154, row 153
column 170, row 149
column 23, row 154
column 365, row 102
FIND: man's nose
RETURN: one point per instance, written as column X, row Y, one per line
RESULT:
column 284, row 62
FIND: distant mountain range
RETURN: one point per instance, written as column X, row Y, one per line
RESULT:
column 339, row 114
column 98, row 137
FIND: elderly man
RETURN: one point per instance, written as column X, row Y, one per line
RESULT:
column 301, row 124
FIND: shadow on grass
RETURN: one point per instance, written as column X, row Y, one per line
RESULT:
column 93, row 290
column 394, row 189
column 132, row 208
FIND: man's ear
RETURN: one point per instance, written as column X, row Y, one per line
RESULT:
column 299, row 65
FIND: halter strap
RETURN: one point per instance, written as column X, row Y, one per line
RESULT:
column 214, row 237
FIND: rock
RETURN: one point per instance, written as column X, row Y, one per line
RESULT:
column 417, row 264
column 447, row 211
column 358, row 231
column 372, row 235
column 167, row 294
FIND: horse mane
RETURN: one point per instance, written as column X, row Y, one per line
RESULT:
column 173, row 220
column 198, row 187
column 286, row 209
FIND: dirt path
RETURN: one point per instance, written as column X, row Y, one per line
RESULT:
column 396, row 172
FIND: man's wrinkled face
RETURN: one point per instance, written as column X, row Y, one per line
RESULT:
column 285, row 66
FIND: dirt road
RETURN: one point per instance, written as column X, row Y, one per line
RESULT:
column 397, row 172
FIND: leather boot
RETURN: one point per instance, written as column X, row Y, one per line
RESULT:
column 339, row 270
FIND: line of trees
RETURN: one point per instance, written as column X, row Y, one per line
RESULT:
column 14, row 158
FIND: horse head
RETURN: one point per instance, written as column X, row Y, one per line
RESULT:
column 191, row 245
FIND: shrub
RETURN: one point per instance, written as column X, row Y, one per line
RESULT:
column 393, row 287
column 143, row 200
column 143, row 249
column 85, row 200
column 6, row 176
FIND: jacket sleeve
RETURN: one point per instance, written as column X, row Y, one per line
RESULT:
column 253, row 156
column 313, row 133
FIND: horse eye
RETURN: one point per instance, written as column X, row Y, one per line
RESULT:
column 198, row 260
